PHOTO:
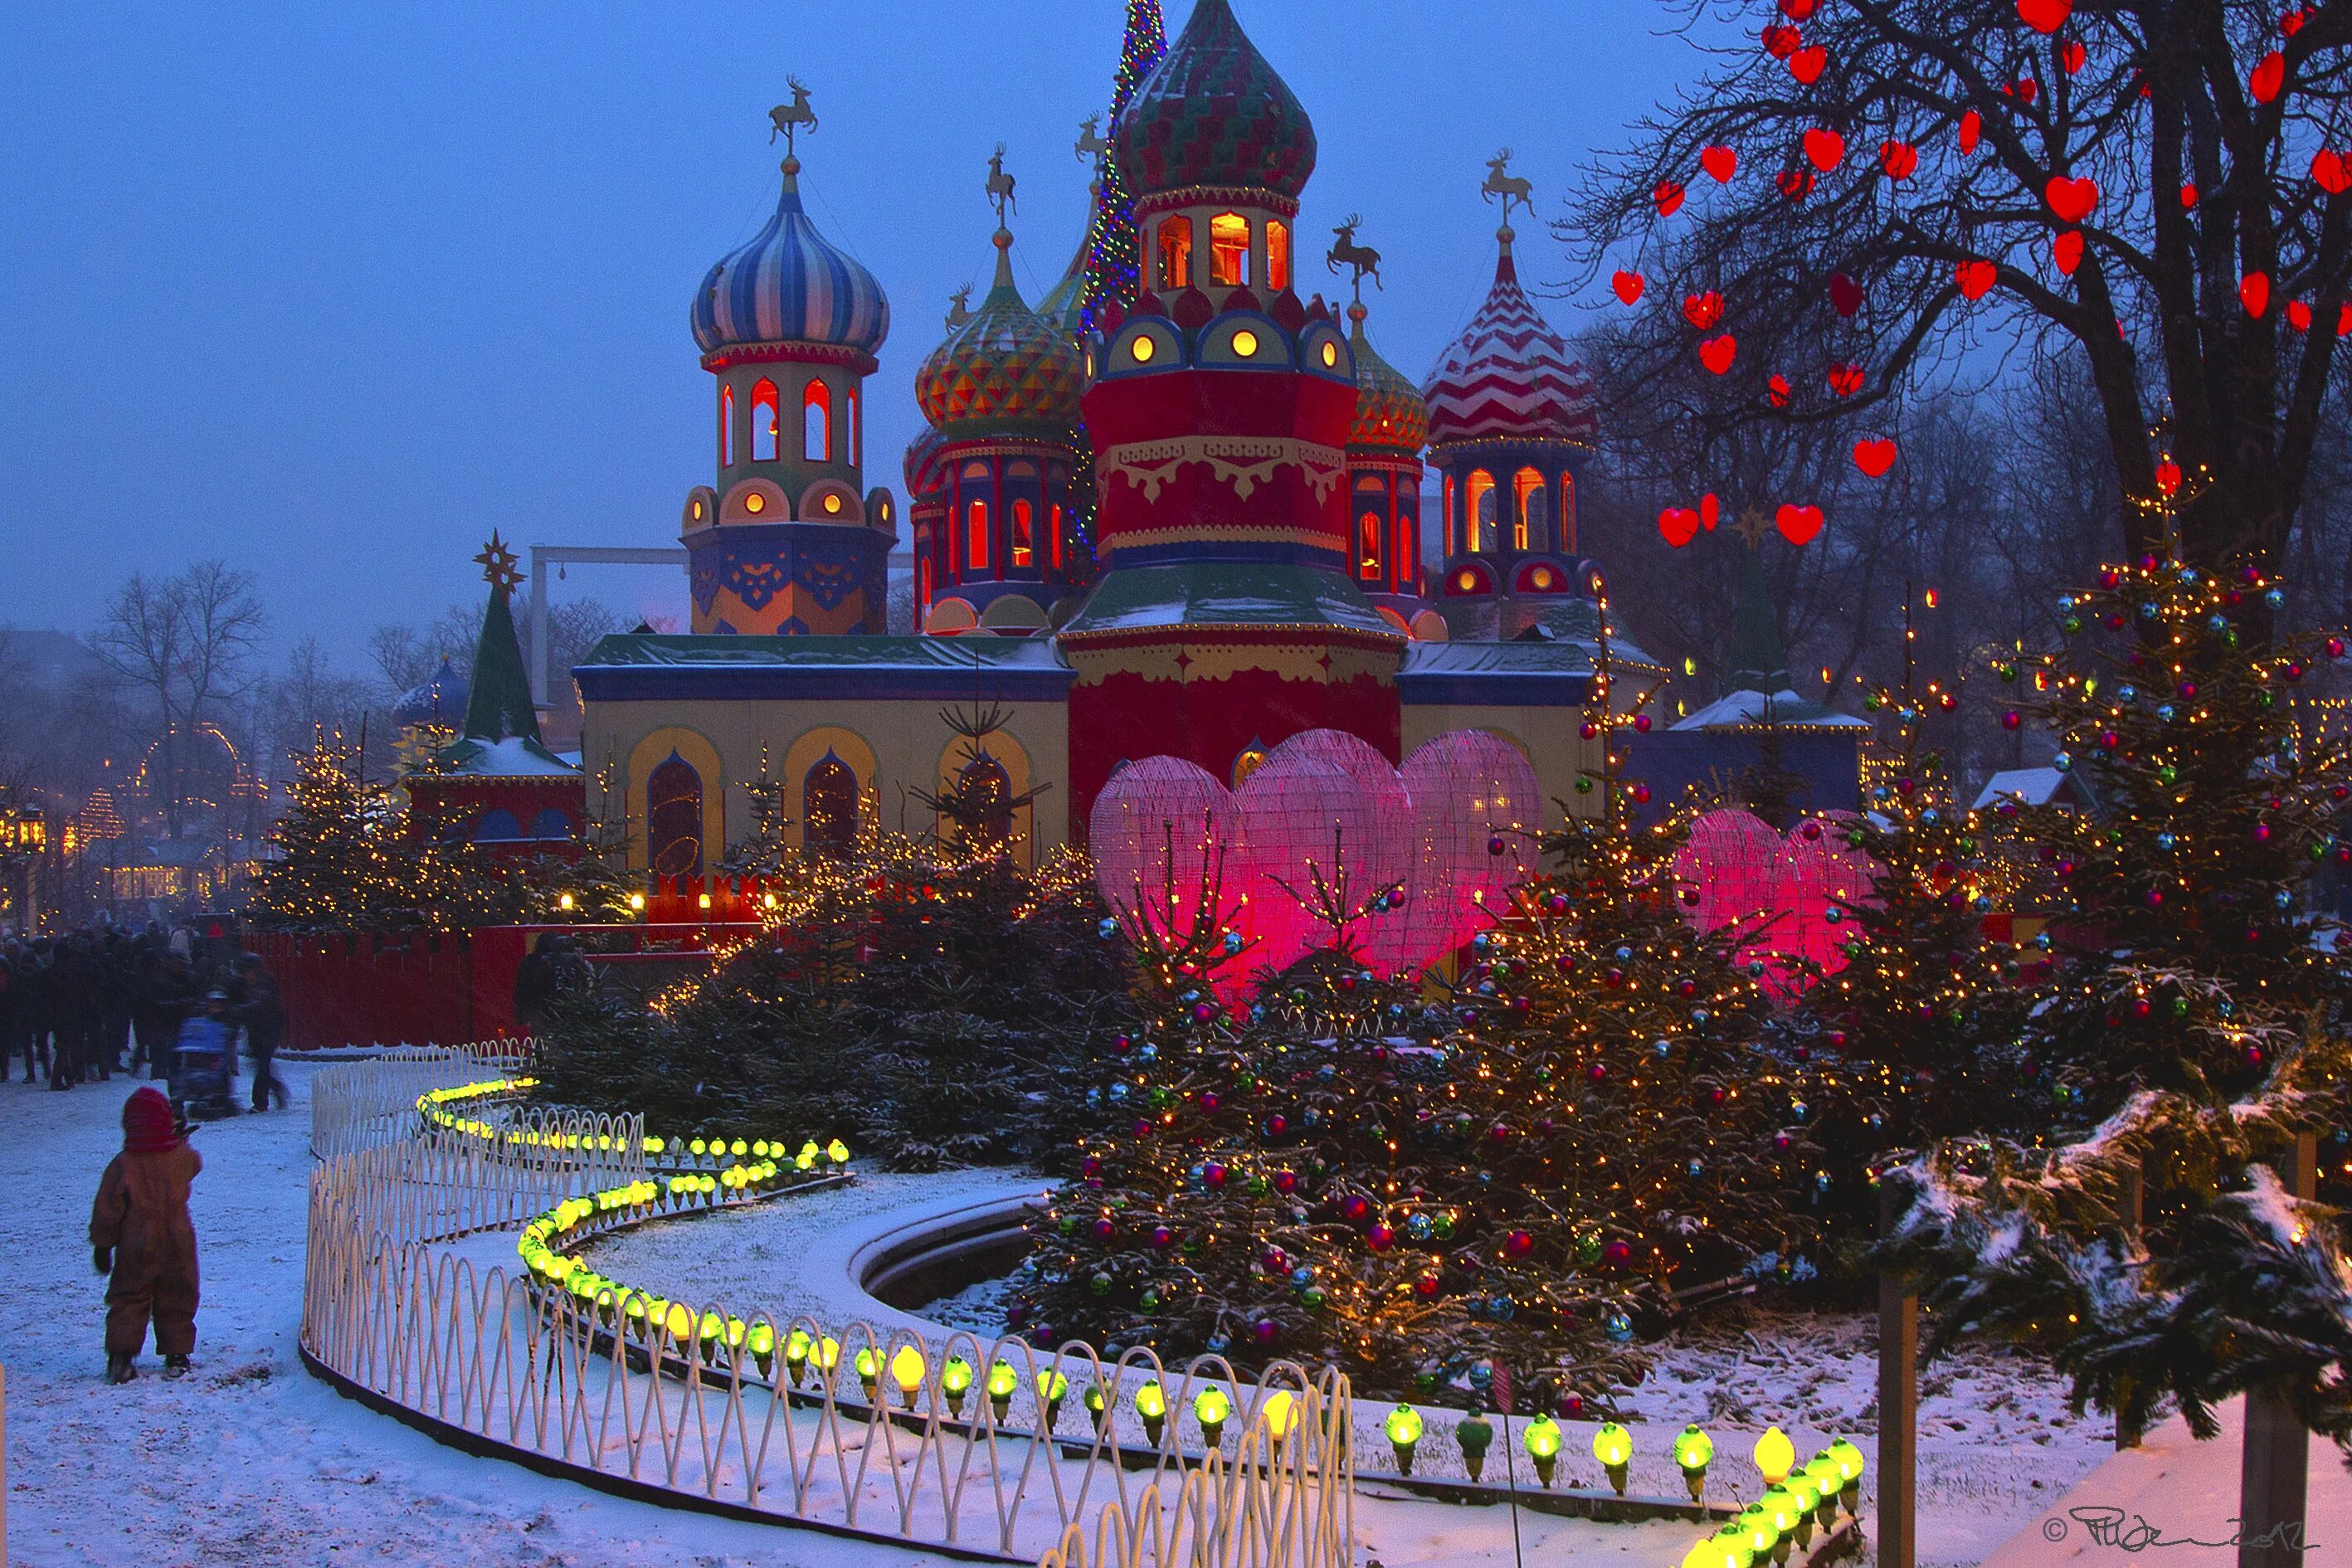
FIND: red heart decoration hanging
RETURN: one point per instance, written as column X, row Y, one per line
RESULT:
column 1899, row 159
column 1716, row 353
column 2025, row 90
column 1702, row 311
column 1710, row 511
column 1796, row 184
column 2167, row 476
column 1780, row 42
column 2254, row 293
column 1845, row 380
column 2344, row 320
column 2066, row 250
column 1628, row 286
column 1971, row 132
column 2298, row 315
column 2187, row 197
column 1720, row 162
column 2332, row 170
column 1846, row 295
column 1798, row 524
column 1807, row 64
column 1975, row 279
column 1678, row 525
column 2073, row 56
column 1824, row 149
column 1777, row 393
column 1799, row 10
column 2044, row 16
column 2268, row 76
column 2072, row 200
column 1874, row 458
column 1669, row 197
column 2291, row 23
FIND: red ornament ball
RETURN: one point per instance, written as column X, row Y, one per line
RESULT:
column 1617, row 1254
column 1161, row 1236
column 1519, row 1244
column 2011, row 720
column 1380, row 1239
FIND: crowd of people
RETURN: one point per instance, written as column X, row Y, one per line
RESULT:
column 84, row 1006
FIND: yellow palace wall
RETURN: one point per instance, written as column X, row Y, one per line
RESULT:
column 1547, row 736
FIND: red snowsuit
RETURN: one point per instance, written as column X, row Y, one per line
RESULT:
column 141, row 1214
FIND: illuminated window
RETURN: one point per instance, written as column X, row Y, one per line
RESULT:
column 1024, row 528
column 767, row 428
column 1528, row 531
column 1408, row 557
column 1277, row 254
column 1451, row 532
column 673, row 818
column 816, row 423
column 833, row 505
column 1252, row 757
column 987, row 795
column 1054, row 540
column 1245, row 343
column 975, row 535
column 1229, row 250
column 755, row 503
column 1330, row 356
column 829, row 806
column 1368, row 547
column 922, row 585
column 1478, row 507
column 726, row 427
column 1175, row 256
column 1143, row 349
column 857, row 436
column 1568, row 513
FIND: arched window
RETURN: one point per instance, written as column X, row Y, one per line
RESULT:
column 1229, row 250
column 498, row 827
column 1451, row 527
column 975, row 537
column 1277, row 254
column 1368, row 547
column 816, row 422
column 1478, row 508
column 1025, row 532
column 551, row 824
column 1176, row 252
column 1568, row 513
column 767, row 428
column 673, row 818
column 1054, row 540
column 857, row 436
column 923, row 588
column 726, row 427
column 1408, row 557
column 987, row 796
column 829, row 807
column 1529, row 519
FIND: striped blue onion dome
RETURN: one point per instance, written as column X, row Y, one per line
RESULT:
column 791, row 285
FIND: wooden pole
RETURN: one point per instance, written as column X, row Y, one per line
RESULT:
column 2131, row 1210
column 4, row 1467
column 2274, row 1477
column 1898, row 1402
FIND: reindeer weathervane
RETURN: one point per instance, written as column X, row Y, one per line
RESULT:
column 1000, row 186
column 1362, row 257
column 1092, row 143
column 1501, row 183
column 791, row 119
column 960, row 307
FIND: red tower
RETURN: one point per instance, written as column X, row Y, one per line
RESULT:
column 1221, row 408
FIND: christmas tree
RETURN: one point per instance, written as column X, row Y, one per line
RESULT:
column 1114, row 269
column 2190, row 1027
column 340, row 859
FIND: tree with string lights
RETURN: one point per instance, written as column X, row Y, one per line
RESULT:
column 339, row 853
column 1114, row 264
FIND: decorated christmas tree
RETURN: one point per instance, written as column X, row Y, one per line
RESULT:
column 1114, row 269
column 2189, row 1033
column 338, row 858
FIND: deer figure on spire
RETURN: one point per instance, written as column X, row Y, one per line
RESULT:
column 790, row 119
column 1000, row 186
column 1092, row 143
column 1501, row 183
column 1362, row 257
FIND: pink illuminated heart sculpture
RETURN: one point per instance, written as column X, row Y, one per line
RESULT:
column 1776, row 895
column 1304, row 823
column 1161, row 834
column 1471, row 791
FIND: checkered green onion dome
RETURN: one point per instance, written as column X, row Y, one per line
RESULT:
column 1390, row 415
column 1008, row 370
column 1214, row 113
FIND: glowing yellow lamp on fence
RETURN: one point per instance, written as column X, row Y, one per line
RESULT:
column 1097, row 1408
column 1052, row 1389
column 907, row 1368
column 1775, row 1455
column 761, row 1342
column 870, row 1372
column 797, row 1345
column 828, row 1356
column 1789, row 1523
column 806, row 1159
column 1713, row 1552
column 1542, row 1441
column 1807, row 1497
column 1755, row 1524
column 1613, row 1447
column 1211, row 1409
column 1281, row 1411
column 955, row 1381
column 837, row 1151
column 1151, row 1404
column 1822, row 1476
column 1849, row 1464
column 1474, row 1433
column 1001, row 1381
column 679, row 1321
column 1694, row 1452
column 1403, row 1428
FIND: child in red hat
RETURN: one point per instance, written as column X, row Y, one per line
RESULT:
column 142, row 1236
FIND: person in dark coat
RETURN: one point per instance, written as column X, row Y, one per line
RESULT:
column 264, row 1017
column 167, row 994
column 143, row 1239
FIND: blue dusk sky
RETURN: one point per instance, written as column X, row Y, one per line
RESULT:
column 331, row 290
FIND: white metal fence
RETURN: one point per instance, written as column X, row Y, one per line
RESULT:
column 990, row 1449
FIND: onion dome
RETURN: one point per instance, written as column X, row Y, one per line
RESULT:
column 1389, row 412
column 440, row 700
column 1008, row 370
column 791, row 285
column 924, row 475
column 1509, row 377
column 1214, row 113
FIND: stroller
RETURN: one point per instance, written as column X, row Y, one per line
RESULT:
column 204, row 1063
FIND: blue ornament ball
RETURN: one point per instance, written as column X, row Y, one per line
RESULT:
column 1618, row 1326
column 1108, row 928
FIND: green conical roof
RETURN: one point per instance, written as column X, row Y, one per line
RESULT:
column 1755, row 659
column 498, row 708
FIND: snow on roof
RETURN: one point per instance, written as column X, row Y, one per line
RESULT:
column 515, row 757
column 1786, row 707
column 2031, row 786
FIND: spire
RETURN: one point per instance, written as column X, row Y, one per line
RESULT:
column 1113, row 249
column 1755, row 659
column 498, row 707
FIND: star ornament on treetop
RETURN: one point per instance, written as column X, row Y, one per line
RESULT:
column 499, row 565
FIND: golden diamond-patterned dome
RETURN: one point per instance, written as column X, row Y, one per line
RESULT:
column 1391, row 414
column 1008, row 370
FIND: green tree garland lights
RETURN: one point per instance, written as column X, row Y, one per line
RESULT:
column 1114, row 243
